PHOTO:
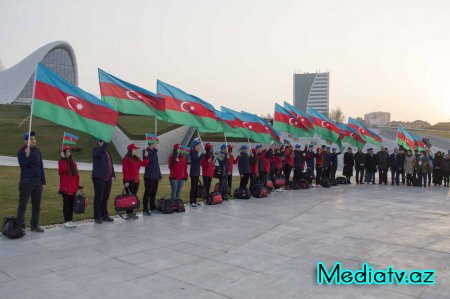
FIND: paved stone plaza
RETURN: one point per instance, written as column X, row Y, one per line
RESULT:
column 260, row 248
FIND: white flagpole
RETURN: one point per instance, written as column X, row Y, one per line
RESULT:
column 156, row 126
column 201, row 142
column 225, row 135
column 32, row 106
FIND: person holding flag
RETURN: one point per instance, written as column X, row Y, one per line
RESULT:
column 32, row 181
column 207, row 164
column 244, row 166
column 152, row 175
column 231, row 162
column 288, row 162
column 194, row 171
column 69, row 182
column 223, row 165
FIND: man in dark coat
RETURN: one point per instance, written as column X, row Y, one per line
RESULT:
column 371, row 166
column 152, row 178
column 223, row 164
column 348, row 164
column 395, row 161
column 383, row 165
column 360, row 164
column 32, row 182
column 194, row 171
column 402, row 156
column 244, row 166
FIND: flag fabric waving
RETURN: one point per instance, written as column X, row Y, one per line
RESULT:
column 184, row 149
column 286, row 122
column 302, row 117
column 351, row 136
column 368, row 135
column 185, row 109
column 418, row 143
column 127, row 98
column 70, row 139
column 324, row 127
column 151, row 138
column 405, row 139
column 225, row 124
column 63, row 103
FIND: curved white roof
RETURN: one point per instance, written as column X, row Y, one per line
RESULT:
column 14, row 79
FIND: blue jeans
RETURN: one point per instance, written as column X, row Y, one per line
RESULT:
column 176, row 187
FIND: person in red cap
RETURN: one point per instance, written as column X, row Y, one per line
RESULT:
column 131, row 165
column 231, row 162
column 207, row 164
column 288, row 162
column 178, row 171
column 69, row 181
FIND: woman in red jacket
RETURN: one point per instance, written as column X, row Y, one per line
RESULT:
column 231, row 162
column 178, row 172
column 68, row 184
column 131, row 164
column 207, row 164
column 288, row 162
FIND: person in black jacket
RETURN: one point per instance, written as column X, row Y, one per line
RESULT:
column 348, row 164
column 383, row 165
column 360, row 164
column 152, row 178
column 223, row 164
column 401, row 168
column 102, row 176
column 194, row 171
column 32, row 182
column 437, row 169
column 395, row 161
column 244, row 166
column 371, row 166
column 298, row 157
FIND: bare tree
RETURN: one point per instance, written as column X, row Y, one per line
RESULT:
column 337, row 115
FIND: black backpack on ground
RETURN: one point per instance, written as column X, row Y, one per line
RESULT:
column 308, row 176
column 11, row 229
column 303, row 184
column 178, row 205
column 333, row 182
column 294, row 185
column 242, row 193
column 325, row 182
column 164, row 205
column 341, row 180
column 214, row 198
column 415, row 181
column 260, row 192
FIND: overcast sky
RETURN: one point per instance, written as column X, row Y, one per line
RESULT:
column 382, row 55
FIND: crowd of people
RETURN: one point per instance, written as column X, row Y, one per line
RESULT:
column 256, row 166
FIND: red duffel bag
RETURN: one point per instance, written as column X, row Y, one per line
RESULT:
column 126, row 201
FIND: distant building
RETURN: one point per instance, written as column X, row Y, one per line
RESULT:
column 417, row 124
column 16, row 82
column 312, row 91
column 377, row 119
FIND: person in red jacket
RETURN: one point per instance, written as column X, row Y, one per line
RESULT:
column 68, row 184
column 288, row 162
column 231, row 162
column 178, row 172
column 131, row 164
column 207, row 164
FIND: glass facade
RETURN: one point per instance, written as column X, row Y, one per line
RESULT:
column 59, row 61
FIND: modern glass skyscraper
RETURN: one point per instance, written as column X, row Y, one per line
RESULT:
column 311, row 90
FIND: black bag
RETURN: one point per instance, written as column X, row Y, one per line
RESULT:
column 80, row 203
column 178, row 205
column 333, row 182
column 303, row 184
column 294, row 185
column 242, row 193
column 415, row 181
column 214, row 198
column 341, row 180
column 200, row 190
column 308, row 176
column 218, row 172
column 325, row 182
column 164, row 205
column 11, row 229
column 260, row 192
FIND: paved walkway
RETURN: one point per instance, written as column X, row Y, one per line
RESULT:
column 260, row 248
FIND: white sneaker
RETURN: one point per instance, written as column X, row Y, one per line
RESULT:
column 69, row 224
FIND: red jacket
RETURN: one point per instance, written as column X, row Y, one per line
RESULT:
column 289, row 157
column 130, row 168
column 178, row 170
column 68, row 183
column 319, row 158
column 254, row 163
column 278, row 163
column 231, row 162
column 207, row 167
column 266, row 163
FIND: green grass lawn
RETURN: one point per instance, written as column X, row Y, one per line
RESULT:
column 49, row 135
column 425, row 133
column 51, row 205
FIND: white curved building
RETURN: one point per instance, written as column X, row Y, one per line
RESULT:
column 16, row 83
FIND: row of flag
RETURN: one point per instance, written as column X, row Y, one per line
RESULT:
column 65, row 104
column 411, row 141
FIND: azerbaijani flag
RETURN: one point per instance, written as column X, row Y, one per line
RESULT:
column 286, row 122
column 405, row 139
column 185, row 109
column 219, row 155
column 325, row 127
column 184, row 149
column 302, row 117
column 70, row 138
column 151, row 138
column 274, row 134
column 366, row 134
column 351, row 136
column 64, row 104
column 225, row 124
column 250, row 126
column 418, row 143
column 127, row 98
